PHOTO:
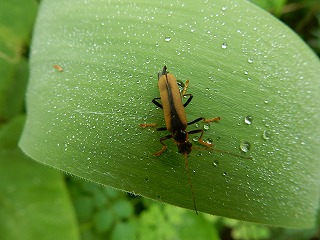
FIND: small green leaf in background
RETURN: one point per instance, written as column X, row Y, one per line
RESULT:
column 273, row 6
column 33, row 199
column 101, row 212
column 243, row 65
column 243, row 230
column 167, row 222
column 14, row 36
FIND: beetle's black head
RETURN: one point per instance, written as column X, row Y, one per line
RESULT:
column 184, row 148
column 182, row 141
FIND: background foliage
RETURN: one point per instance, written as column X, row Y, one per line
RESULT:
column 67, row 207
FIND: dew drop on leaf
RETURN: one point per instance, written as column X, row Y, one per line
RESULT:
column 265, row 135
column 245, row 146
column 215, row 163
column 248, row 120
column 224, row 45
column 206, row 126
column 167, row 39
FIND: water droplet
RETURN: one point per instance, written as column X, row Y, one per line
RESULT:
column 206, row 126
column 246, row 72
column 224, row 45
column 265, row 135
column 224, row 8
column 245, row 146
column 224, row 173
column 167, row 39
column 248, row 120
column 250, row 60
column 215, row 163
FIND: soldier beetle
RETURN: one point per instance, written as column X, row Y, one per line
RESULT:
column 176, row 120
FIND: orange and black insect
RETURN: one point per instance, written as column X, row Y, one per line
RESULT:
column 175, row 115
column 175, row 118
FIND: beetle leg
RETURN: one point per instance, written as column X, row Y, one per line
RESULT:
column 200, row 138
column 164, row 146
column 201, row 131
column 195, row 121
column 156, row 102
column 183, row 93
column 189, row 99
column 184, row 90
column 144, row 125
column 216, row 119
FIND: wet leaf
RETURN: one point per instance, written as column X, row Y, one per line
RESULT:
column 243, row 65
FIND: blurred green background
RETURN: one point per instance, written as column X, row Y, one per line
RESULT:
column 76, row 209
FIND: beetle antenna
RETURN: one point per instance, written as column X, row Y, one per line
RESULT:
column 190, row 182
column 230, row 153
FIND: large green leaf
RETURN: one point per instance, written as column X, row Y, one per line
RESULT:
column 243, row 65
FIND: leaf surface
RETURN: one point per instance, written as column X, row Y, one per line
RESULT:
column 243, row 65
